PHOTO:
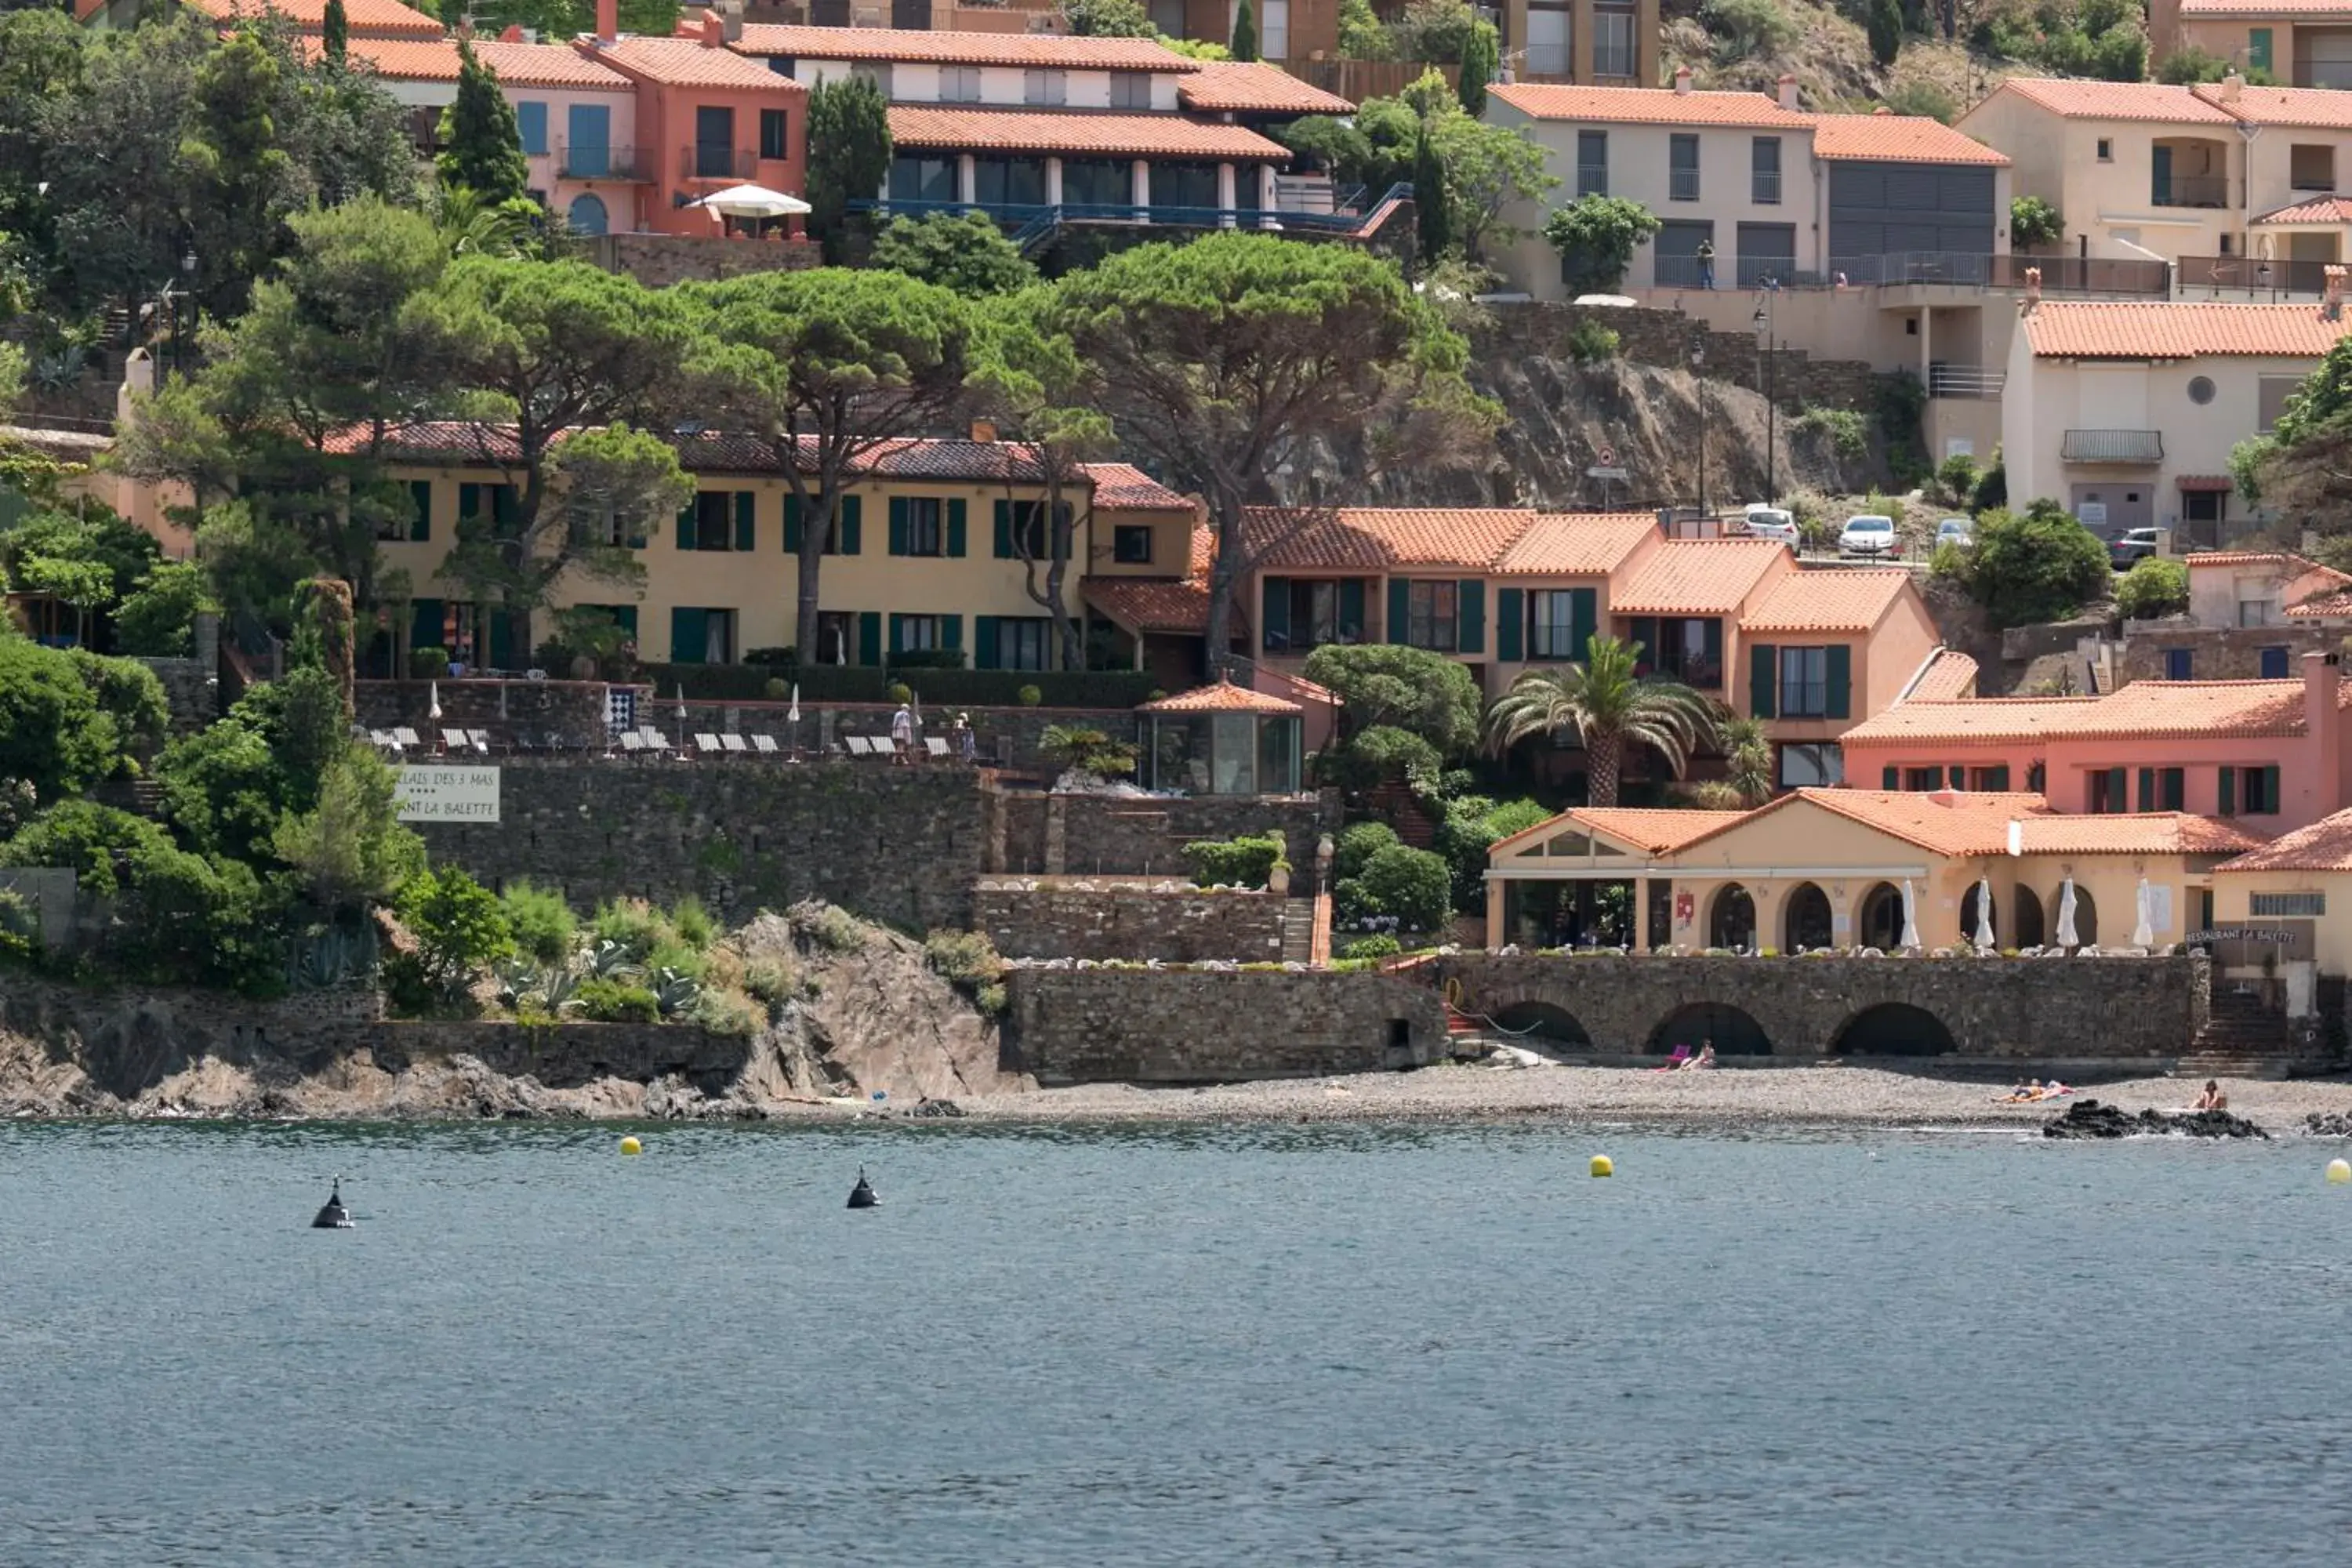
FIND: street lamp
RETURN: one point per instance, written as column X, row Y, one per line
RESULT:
column 187, row 292
column 1765, row 344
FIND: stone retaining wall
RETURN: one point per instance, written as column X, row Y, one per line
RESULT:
column 569, row 713
column 1107, row 834
column 2220, row 653
column 1133, row 1025
column 1649, row 336
column 659, row 261
column 1170, row 920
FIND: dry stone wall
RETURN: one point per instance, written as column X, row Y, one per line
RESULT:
column 1133, row 1025
column 1170, row 920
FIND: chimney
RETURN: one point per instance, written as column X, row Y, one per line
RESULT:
column 513, row 34
column 2032, row 291
column 1882, row 108
column 730, row 18
column 2331, row 303
column 984, row 429
column 1788, row 93
column 714, row 31
column 2323, row 720
column 1682, row 80
column 1946, row 797
column 2233, row 85
column 608, row 20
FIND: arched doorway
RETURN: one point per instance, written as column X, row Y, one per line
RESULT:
column 2027, row 929
column 1542, row 1021
column 1732, row 918
column 1893, row 1029
column 2086, row 915
column 1731, row 1030
column 588, row 216
column 1881, row 925
column 1806, row 923
column 1971, row 901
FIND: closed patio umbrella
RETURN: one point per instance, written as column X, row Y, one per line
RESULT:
column 1910, row 916
column 1984, row 915
column 2066, row 937
column 433, row 704
column 2143, row 932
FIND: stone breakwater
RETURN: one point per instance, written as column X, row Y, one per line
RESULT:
column 2090, row 1118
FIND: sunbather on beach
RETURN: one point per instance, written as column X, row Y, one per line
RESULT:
column 1701, row 1062
column 2212, row 1099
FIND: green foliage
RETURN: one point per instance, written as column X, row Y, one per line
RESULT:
column 1029, row 695
column 1596, row 237
column 1884, row 23
column 2035, row 566
column 428, row 663
column 92, row 841
column 1481, row 59
column 1362, row 34
column 1439, row 31
column 54, row 732
column 1949, row 561
column 693, row 923
column 158, row 619
column 1411, row 887
column 771, row 980
column 1088, row 750
column 1843, row 429
column 2104, row 38
column 962, row 251
column 1366, row 949
column 1432, row 204
column 1389, row 684
column 2188, row 64
column 334, row 31
column 2033, row 221
column 1592, row 344
column 723, row 1012
column 350, row 849
column 458, row 924
column 1924, row 98
column 1357, row 845
column 1472, row 825
column 1245, row 862
column 2153, row 588
column 848, row 152
column 545, row 930
column 1108, row 20
column 966, row 960
column 829, row 927
column 1610, row 708
column 617, row 1002
column 1379, row 754
column 1245, row 33
column 481, row 149
column 635, row 928
column 1992, row 486
column 1957, row 477
column 1747, row 29
column 1748, row 759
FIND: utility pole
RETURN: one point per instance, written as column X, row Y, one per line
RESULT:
column 1698, row 371
column 1765, row 344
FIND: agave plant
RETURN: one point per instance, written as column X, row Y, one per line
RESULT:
column 674, row 992
column 517, row 979
column 610, row 959
column 560, row 990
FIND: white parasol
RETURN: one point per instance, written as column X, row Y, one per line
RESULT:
column 752, row 201
column 2066, row 937
column 433, row 709
column 1984, row 915
column 1910, row 916
column 2144, row 933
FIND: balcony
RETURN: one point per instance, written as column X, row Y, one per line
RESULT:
column 599, row 162
column 1964, row 381
column 2130, row 447
column 2250, row 277
column 1682, row 184
column 2190, row 190
column 1765, row 187
column 717, row 163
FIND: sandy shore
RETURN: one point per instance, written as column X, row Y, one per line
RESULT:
column 1794, row 1096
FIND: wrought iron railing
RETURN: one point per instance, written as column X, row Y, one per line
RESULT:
column 600, row 161
column 700, row 162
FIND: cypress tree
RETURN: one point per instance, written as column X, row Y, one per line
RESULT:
column 1481, row 58
column 335, row 32
column 481, row 149
column 1884, row 25
column 1245, row 44
column 1431, row 207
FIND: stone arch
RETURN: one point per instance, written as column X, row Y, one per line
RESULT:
column 2086, row 915
column 1968, row 902
column 2027, row 930
column 1805, row 921
column 1732, row 918
column 1733, row 1031
column 1893, row 1029
column 588, row 214
column 1878, row 918
column 1546, row 1021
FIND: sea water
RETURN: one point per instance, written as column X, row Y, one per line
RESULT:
column 1255, row 1344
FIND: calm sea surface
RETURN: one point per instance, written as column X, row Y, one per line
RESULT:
column 1262, row 1346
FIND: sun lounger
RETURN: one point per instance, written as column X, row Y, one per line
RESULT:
column 1680, row 1055
column 732, row 743
column 632, row 741
column 705, row 742
column 406, row 736
column 764, row 744
column 859, row 746
column 935, row 746
column 884, row 746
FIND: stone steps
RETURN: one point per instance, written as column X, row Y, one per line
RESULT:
column 1298, row 930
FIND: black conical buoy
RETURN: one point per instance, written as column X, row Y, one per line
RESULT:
column 333, row 1215
column 862, row 1195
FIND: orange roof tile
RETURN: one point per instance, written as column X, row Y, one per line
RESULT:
column 2323, row 607
column 2142, row 833
column 1653, row 831
column 2325, row 846
column 923, row 47
column 1647, row 105
column 2314, row 107
column 1150, row 604
column 2319, row 209
column 1981, row 719
column 1255, row 87
column 1897, row 139
column 1374, row 538
column 687, row 62
column 1951, row 677
column 2087, row 329
column 1128, row 489
column 2144, row 711
column 1576, row 544
column 517, row 65
column 1699, row 577
column 1827, row 601
column 1223, row 697
column 382, row 19
column 1079, row 130
column 2202, row 558
column 2304, row 9
column 1971, row 824
column 2077, row 98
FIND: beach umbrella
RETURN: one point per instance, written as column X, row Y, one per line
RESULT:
column 793, row 715
column 752, row 201
column 1984, row 915
column 2143, row 935
column 2066, row 937
column 433, row 708
column 1910, row 916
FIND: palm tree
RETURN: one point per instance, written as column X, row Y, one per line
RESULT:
column 1748, row 758
column 1607, row 706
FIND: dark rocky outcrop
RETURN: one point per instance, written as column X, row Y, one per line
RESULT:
column 2328, row 1124
column 2090, row 1118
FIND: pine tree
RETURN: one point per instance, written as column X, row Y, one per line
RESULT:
column 1884, row 25
column 1245, row 44
column 481, row 149
column 1481, row 58
column 335, row 34
column 1433, row 210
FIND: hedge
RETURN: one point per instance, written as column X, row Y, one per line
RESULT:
column 1098, row 689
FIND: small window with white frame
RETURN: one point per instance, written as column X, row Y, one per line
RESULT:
column 2286, row 906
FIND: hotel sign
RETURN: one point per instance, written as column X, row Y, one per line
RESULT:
column 448, row 794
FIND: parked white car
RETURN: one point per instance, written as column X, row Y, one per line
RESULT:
column 1870, row 536
column 1772, row 523
column 1956, row 531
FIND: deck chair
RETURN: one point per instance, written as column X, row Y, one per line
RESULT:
column 482, row 739
column 734, row 743
column 884, row 746
column 764, row 744
column 454, row 739
column 705, row 742
column 632, row 741
column 406, row 736
column 936, row 746
column 1675, row 1058
column 382, row 737
column 859, row 746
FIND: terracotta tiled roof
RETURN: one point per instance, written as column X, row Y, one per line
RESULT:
column 2319, row 209
column 1657, row 832
column 690, row 62
column 1469, row 539
column 1150, row 604
column 2188, row 710
column 2203, row 558
column 2078, row 99
column 1075, row 131
column 1130, row 488
column 2087, row 329
column 2300, row 10
column 1699, row 577
column 1951, row 677
column 2311, row 107
column 2325, row 846
column 2141, row 833
column 1897, row 139
column 1647, row 106
column 1254, row 88
column 922, row 46
column 383, row 18
column 1223, row 697
column 1827, row 601
column 2323, row 607
column 1576, row 544
column 1983, row 720
column 516, row 64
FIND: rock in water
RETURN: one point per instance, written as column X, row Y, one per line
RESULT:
column 2328, row 1124
column 2089, row 1119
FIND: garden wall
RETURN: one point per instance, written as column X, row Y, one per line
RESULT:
column 1075, row 917
column 1032, row 832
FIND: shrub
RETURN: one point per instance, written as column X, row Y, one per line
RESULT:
column 1596, row 237
column 827, row 926
column 1992, row 487
column 1369, row 947
column 1844, row 428
column 991, row 1001
column 458, row 925
column 693, row 923
column 1591, row 342
column 1085, row 749
column 544, row 929
column 966, row 960
column 1233, row 862
column 1411, row 887
column 724, row 1012
column 1747, row 29
column 2154, row 587
column 2037, row 565
column 159, row 621
column 55, row 731
column 1884, row 22
column 1712, row 795
column 1924, row 98
column 1030, row 697
column 2033, row 221
column 617, row 1002
column 633, row 925
column 965, row 252
column 1950, row 561
column 2185, row 66
column 901, row 693
column 427, row 663
column 1359, row 843
column 1957, row 477
column 771, row 980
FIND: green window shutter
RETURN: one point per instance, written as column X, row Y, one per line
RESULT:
column 792, row 525
column 625, row 618
column 1763, row 680
column 1470, row 616
column 469, row 501
column 956, row 510
column 869, row 638
column 983, row 642
column 1890, row 777
column 689, row 632
column 897, row 634
column 2270, row 801
column 1583, row 618
column 1840, row 665
column 951, row 633
column 1997, row 779
column 2147, row 789
column 897, row 525
column 849, row 525
column 420, row 496
column 2228, row 792
column 424, row 628
column 1935, row 778
column 1510, row 610
column 2258, row 47
column 1004, row 531
column 1274, row 629
column 1400, row 609
column 1351, row 609
column 746, row 520
column 686, row 539
column 1642, row 631
column 2118, row 790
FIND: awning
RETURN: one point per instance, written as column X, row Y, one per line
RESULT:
column 2221, row 482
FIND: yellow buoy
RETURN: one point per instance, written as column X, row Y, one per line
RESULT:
column 1601, row 1166
column 631, row 1146
column 2339, row 1172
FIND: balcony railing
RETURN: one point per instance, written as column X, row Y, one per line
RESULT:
column 717, row 162
column 1965, row 381
column 1682, row 184
column 2191, row 191
column 1764, row 187
column 1028, row 224
column 1592, row 179
column 2060, row 274
column 2136, row 447
column 602, row 162
column 2248, row 276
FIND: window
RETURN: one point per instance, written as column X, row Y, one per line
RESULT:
column 2256, row 612
column 2310, row 167
column 1612, row 43
column 1764, row 170
column 1130, row 544
column 2286, row 906
column 2162, row 789
column 876, row 71
column 2200, row 390
column 416, row 523
column 2178, row 664
column 775, row 138
column 914, row 178
column 1689, row 648
column 600, row 524
column 2107, row 791
column 714, row 520
column 1130, row 90
column 1681, row 167
column 2274, row 663
column 1044, row 88
column 1549, row 50
column 714, row 143
column 959, row 84
column 1551, row 624
column 2107, row 151
column 1919, row 781
column 1804, row 683
column 1301, row 614
column 1273, row 28
column 1431, row 623
column 2258, row 49
column 2260, row 788
column 916, row 633
column 1593, row 162
column 1009, row 182
column 1021, row 530
column 837, row 636
column 701, row 635
column 2269, row 400
column 1814, row 764
column 1022, row 642
column 1989, row 780
column 926, row 527
column 531, row 125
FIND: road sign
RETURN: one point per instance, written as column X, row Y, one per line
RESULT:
column 1601, row 471
column 1607, row 458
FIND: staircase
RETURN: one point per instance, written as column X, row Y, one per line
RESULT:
column 2244, row 1037
column 1298, row 930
